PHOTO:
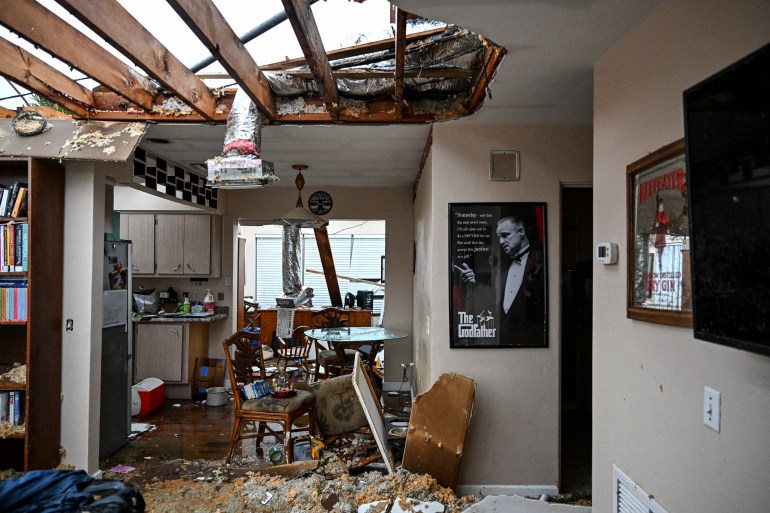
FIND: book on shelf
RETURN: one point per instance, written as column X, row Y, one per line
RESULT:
column 13, row 302
column 13, row 194
column 19, row 205
column 4, row 199
column 4, row 402
column 14, row 412
column 14, row 241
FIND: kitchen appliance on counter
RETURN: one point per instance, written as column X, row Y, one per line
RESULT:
column 117, row 349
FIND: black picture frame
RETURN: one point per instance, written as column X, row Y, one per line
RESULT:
column 496, row 299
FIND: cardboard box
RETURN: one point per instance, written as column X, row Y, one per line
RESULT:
column 209, row 372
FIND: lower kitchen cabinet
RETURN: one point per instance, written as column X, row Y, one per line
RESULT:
column 167, row 351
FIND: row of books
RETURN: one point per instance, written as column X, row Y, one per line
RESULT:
column 13, row 302
column 12, row 408
column 14, row 243
column 13, row 200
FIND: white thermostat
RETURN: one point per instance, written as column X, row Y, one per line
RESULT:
column 606, row 253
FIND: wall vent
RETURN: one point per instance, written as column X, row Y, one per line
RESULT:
column 629, row 496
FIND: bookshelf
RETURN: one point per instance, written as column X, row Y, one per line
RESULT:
column 34, row 338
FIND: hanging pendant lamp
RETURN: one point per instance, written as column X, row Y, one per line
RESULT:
column 299, row 216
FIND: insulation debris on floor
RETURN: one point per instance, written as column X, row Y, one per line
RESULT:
column 318, row 487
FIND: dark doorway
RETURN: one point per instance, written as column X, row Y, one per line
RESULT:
column 576, row 339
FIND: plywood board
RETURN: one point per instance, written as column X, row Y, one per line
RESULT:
column 437, row 428
column 371, row 406
column 77, row 140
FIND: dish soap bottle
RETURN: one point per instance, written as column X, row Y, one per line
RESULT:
column 185, row 306
column 208, row 301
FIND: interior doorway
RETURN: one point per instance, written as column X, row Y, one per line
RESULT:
column 576, row 338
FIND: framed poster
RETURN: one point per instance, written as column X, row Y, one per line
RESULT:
column 498, row 275
column 659, row 282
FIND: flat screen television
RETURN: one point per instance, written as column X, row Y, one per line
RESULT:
column 727, row 141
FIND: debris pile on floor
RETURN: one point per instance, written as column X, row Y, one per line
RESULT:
column 327, row 488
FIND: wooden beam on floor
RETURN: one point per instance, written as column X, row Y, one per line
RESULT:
column 309, row 38
column 43, row 28
column 114, row 23
column 208, row 24
column 22, row 67
column 400, row 51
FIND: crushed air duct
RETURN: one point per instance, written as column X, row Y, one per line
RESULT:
column 240, row 164
column 294, row 294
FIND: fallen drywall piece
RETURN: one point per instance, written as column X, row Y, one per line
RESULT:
column 374, row 416
column 112, row 141
column 517, row 504
column 402, row 506
column 437, row 428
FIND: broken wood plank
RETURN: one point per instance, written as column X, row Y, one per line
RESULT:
column 27, row 70
column 208, row 24
column 309, row 38
column 43, row 28
column 354, row 51
column 400, row 49
column 493, row 55
column 327, row 262
column 6, row 113
column 115, row 24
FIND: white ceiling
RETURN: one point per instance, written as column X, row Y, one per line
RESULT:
column 546, row 77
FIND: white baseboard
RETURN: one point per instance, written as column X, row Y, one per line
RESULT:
column 531, row 491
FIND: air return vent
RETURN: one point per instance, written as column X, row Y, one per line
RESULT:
column 629, row 496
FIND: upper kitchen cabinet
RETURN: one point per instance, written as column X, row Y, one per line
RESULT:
column 140, row 229
column 183, row 245
column 173, row 244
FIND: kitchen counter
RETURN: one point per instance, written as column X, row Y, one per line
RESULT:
column 218, row 315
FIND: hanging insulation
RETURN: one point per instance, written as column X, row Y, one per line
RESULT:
column 291, row 250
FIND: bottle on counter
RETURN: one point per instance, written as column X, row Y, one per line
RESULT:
column 185, row 306
column 208, row 301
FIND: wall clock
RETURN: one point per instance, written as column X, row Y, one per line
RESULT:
column 320, row 203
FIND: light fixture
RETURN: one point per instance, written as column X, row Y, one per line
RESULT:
column 299, row 216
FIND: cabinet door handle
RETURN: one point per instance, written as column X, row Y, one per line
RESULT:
column 175, row 332
column 134, row 268
column 175, row 269
column 190, row 268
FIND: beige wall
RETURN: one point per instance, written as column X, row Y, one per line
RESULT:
column 394, row 205
column 512, row 445
column 649, row 379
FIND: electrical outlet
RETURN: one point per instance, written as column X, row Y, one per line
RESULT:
column 711, row 408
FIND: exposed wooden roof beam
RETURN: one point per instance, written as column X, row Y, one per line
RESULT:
column 353, row 51
column 412, row 73
column 43, row 28
column 400, row 50
column 309, row 38
column 493, row 55
column 24, row 68
column 115, row 24
column 208, row 24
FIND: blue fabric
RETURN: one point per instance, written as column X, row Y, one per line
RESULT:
column 45, row 491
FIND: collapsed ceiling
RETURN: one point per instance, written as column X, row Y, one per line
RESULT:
column 441, row 73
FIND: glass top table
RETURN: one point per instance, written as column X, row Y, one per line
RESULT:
column 355, row 337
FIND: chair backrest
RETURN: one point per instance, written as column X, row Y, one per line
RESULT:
column 330, row 318
column 242, row 354
column 250, row 314
column 299, row 341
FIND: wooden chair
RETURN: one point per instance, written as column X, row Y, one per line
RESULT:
column 333, row 360
column 250, row 315
column 245, row 365
column 296, row 350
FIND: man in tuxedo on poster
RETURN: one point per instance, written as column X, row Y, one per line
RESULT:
column 518, row 277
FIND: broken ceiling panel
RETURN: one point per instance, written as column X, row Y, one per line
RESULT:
column 76, row 140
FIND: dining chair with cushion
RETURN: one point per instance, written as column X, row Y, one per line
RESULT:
column 331, row 360
column 245, row 365
column 295, row 349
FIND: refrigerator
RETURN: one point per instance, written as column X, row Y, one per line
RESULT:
column 117, row 349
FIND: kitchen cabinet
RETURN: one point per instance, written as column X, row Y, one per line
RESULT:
column 167, row 351
column 34, row 339
column 183, row 245
column 140, row 230
column 173, row 244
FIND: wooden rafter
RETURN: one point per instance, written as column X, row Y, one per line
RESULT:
column 400, row 50
column 208, row 24
column 43, row 28
column 493, row 55
column 309, row 38
column 115, row 24
column 354, row 51
column 24, row 68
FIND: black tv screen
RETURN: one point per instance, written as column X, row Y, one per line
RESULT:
column 727, row 140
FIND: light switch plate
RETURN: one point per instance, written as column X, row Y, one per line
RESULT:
column 711, row 408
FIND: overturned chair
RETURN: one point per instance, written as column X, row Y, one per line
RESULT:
column 246, row 365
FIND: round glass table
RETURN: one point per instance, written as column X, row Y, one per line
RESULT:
column 355, row 337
